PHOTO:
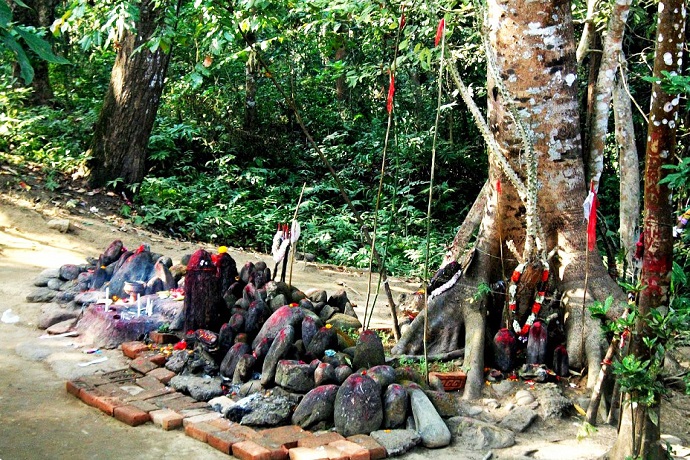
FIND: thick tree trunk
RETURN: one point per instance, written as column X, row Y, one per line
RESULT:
column 534, row 48
column 40, row 14
column 121, row 134
column 642, row 441
column 548, row 104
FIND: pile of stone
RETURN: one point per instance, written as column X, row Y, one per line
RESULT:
column 261, row 353
column 105, row 298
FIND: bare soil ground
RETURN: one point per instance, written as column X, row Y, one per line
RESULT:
column 40, row 420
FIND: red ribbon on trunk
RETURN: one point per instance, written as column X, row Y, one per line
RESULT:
column 391, row 93
column 439, row 31
column 590, row 208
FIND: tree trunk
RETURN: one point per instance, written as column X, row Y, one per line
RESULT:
column 629, row 164
column 121, row 134
column 40, row 14
column 341, row 82
column 604, row 89
column 534, row 48
column 643, row 439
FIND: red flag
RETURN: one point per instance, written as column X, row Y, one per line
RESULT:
column 498, row 186
column 440, row 31
column 391, row 92
column 590, row 208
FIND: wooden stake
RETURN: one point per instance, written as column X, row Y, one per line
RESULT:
column 294, row 218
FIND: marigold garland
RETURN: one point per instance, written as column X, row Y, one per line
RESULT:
column 538, row 300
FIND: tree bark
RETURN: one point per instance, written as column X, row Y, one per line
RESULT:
column 586, row 38
column 642, row 440
column 629, row 164
column 534, row 48
column 604, row 88
column 121, row 134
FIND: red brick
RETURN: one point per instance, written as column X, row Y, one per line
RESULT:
column 90, row 397
column 158, row 359
column 166, row 419
column 287, row 436
column 308, row 453
column 113, row 390
column 143, row 364
column 96, row 380
column 107, row 405
column 178, row 402
column 149, row 382
column 200, row 431
column 249, row 450
column 163, row 337
column 319, row 439
column 132, row 350
column 221, row 423
column 144, row 405
column 131, row 415
column 201, row 418
column 277, row 450
column 162, row 374
column 224, row 440
column 376, row 450
column 94, row 398
column 352, row 450
column 149, row 394
column 317, row 453
column 231, row 434
column 73, row 387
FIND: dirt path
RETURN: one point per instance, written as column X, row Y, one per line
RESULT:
column 40, row 420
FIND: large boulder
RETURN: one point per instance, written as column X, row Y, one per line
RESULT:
column 284, row 316
column 316, row 406
column 368, row 351
column 294, row 376
column 138, row 267
column 395, row 405
column 358, row 407
column 232, row 357
column 279, row 348
column 473, row 434
column 430, row 425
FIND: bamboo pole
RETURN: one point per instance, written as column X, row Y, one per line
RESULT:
column 294, row 219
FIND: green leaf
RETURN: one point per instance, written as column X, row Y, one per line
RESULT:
column 20, row 3
column 654, row 417
column 5, row 15
column 39, row 46
column 25, row 69
column 197, row 79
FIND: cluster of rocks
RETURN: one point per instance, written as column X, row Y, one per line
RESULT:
column 264, row 354
column 87, row 293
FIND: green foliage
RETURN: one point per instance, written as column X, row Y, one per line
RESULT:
column 16, row 38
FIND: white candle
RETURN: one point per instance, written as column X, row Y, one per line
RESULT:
column 107, row 295
column 149, row 307
column 138, row 305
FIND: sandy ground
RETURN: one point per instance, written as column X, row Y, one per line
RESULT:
column 38, row 419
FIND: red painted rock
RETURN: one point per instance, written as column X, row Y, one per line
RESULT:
column 316, row 406
column 358, row 407
column 284, row 316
